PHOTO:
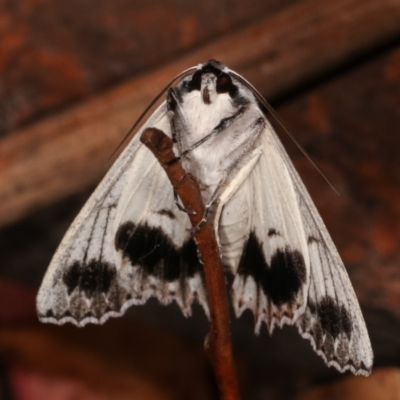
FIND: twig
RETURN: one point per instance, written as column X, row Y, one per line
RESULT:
column 218, row 344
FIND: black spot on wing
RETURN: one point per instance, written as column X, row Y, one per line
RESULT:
column 72, row 276
column 312, row 239
column 92, row 277
column 166, row 213
column 286, row 275
column 252, row 262
column 347, row 325
column 189, row 258
column 280, row 281
column 152, row 250
column 312, row 307
column 334, row 319
column 273, row 232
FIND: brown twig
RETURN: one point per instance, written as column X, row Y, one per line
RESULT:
column 219, row 344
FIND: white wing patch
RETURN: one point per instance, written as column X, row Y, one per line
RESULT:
column 286, row 268
column 121, row 250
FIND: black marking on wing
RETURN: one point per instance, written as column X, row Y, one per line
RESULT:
column 313, row 239
column 167, row 213
column 280, row 281
column 155, row 253
column 273, row 232
column 92, row 277
column 334, row 319
column 331, row 328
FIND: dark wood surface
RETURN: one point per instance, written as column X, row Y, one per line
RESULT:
column 43, row 163
column 337, row 82
column 350, row 125
column 54, row 54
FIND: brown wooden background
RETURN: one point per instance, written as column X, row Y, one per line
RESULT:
column 74, row 76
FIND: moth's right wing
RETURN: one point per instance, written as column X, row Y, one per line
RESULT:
column 129, row 242
column 286, row 268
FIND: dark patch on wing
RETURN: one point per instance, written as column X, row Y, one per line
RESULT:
column 252, row 262
column 328, row 321
column 167, row 213
column 92, row 277
column 312, row 307
column 334, row 318
column 72, row 276
column 312, row 239
column 152, row 250
column 347, row 325
column 190, row 258
column 282, row 280
column 273, row 232
column 287, row 274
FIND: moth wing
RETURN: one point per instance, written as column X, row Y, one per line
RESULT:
column 262, row 238
column 268, row 219
column 333, row 320
column 128, row 243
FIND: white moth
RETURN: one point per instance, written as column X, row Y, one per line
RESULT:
column 132, row 239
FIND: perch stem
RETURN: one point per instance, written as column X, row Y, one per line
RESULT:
column 218, row 343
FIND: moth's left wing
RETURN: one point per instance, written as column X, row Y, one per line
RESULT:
column 332, row 320
column 128, row 243
column 286, row 268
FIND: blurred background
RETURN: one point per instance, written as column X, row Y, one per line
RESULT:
column 75, row 75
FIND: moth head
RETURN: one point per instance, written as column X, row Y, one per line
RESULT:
column 212, row 79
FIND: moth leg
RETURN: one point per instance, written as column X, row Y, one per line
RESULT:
column 186, row 210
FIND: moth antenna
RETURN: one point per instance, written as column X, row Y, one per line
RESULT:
column 147, row 109
column 271, row 110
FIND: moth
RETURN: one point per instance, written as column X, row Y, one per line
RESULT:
column 133, row 240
